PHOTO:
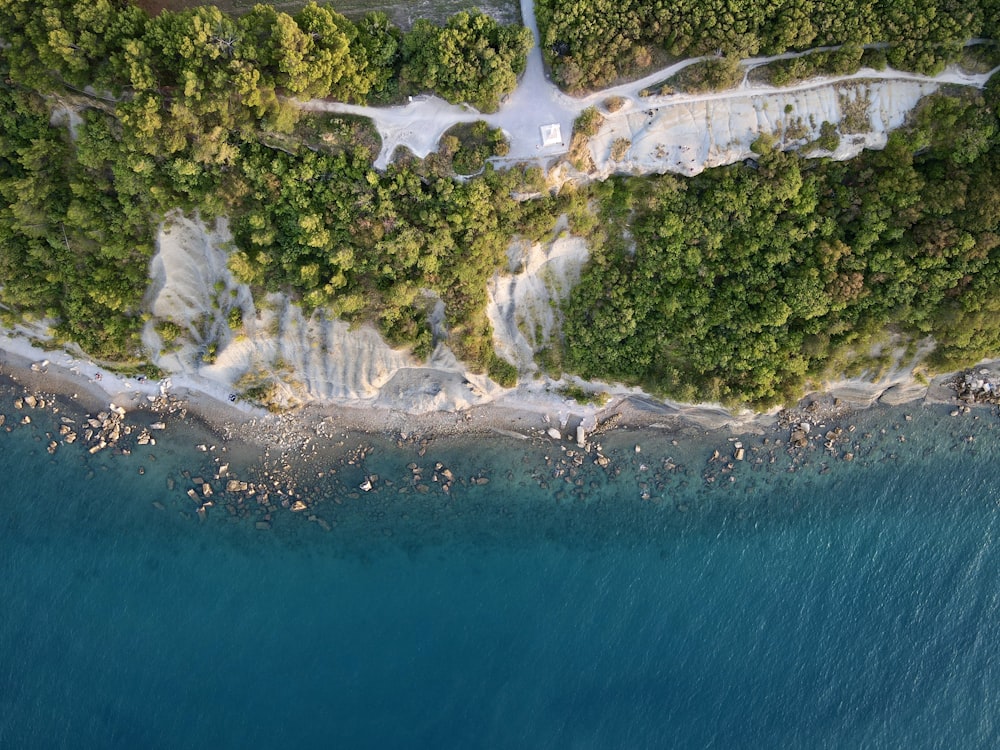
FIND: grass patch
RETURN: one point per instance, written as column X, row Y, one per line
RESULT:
column 467, row 146
column 170, row 334
column 586, row 125
column 848, row 59
column 854, row 109
column 614, row 103
column 260, row 388
column 707, row 75
column 980, row 58
column 337, row 133
column 829, row 138
column 619, row 148
column 583, row 396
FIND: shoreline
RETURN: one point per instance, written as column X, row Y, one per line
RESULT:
column 523, row 414
column 352, row 468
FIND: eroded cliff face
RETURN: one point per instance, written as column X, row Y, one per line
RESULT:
column 270, row 343
column 216, row 333
column 524, row 303
column 687, row 137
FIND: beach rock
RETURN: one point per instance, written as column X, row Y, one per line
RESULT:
column 206, row 489
column 554, row 433
column 298, row 506
column 31, row 401
column 25, row 419
column 262, row 525
column 157, row 426
column 366, row 485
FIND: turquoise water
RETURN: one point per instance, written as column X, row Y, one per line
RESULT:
column 839, row 605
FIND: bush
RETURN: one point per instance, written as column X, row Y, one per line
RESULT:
column 619, row 148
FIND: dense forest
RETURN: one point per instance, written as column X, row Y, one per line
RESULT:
column 589, row 43
column 742, row 282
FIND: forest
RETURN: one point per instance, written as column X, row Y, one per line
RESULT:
column 742, row 283
column 739, row 284
column 590, row 43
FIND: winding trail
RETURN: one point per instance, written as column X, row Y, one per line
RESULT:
column 536, row 101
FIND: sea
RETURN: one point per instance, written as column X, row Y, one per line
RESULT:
column 845, row 594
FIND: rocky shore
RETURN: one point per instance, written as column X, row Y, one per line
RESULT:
column 326, row 465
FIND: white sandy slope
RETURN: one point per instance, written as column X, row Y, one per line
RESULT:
column 702, row 133
column 310, row 358
column 524, row 304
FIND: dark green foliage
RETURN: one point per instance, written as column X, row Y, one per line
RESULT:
column 204, row 63
column 75, row 233
column 743, row 282
column 592, row 42
column 708, row 75
column 844, row 60
column 464, row 148
column 368, row 245
column 472, row 59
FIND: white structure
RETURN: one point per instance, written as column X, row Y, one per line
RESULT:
column 551, row 135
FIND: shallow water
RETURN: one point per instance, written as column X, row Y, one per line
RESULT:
column 859, row 607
